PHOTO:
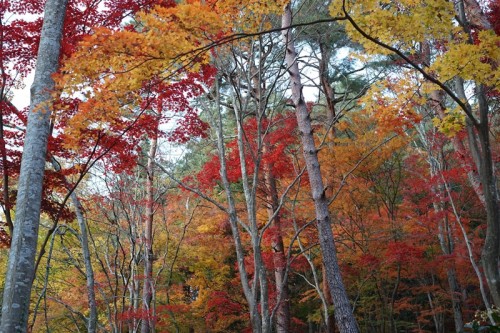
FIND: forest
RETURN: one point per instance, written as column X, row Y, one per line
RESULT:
column 250, row 166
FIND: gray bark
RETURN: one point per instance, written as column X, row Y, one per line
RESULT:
column 343, row 312
column 19, row 279
column 484, row 161
column 248, row 288
column 279, row 257
column 89, row 272
column 84, row 241
column 148, row 288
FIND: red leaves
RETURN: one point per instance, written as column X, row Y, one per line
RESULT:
column 189, row 126
column 5, row 238
column 222, row 310
column 278, row 139
column 403, row 253
column 369, row 261
column 494, row 15
column 132, row 315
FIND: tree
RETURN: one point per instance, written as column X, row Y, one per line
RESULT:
column 16, row 299
column 343, row 311
column 470, row 44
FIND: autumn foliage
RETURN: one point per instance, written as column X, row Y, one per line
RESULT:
column 398, row 143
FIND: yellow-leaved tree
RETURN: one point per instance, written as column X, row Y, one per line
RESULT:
column 453, row 52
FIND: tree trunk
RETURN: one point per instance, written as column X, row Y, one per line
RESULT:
column 89, row 272
column 330, row 130
column 343, row 311
column 248, row 288
column 456, row 301
column 84, row 241
column 329, row 320
column 491, row 249
column 148, row 288
column 5, row 167
column 279, row 257
column 484, row 161
column 20, row 272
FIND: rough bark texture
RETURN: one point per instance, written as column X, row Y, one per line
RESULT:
column 329, row 96
column 343, row 312
column 20, row 272
column 148, row 288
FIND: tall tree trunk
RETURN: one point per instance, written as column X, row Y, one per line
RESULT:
column 89, row 272
column 484, row 159
column 148, row 288
column 343, row 311
column 491, row 249
column 20, row 272
column 279, row 257
column 445, row 235
column 330, row 130
column 249, row 288
column 84, row 241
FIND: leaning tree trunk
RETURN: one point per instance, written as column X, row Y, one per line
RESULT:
column 343, row 311
column 20, row 272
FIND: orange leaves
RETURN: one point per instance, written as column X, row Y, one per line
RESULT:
column 393, row 103
column 161, row 46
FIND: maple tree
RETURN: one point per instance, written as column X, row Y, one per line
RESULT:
column 474, row 33
column 228, row 236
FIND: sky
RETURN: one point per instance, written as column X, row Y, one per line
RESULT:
column 21, row 97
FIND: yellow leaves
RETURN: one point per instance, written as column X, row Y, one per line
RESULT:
column 398, row 23
column 452, row 123
column 185, row 20
column 248, row 16
column 478, row 62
